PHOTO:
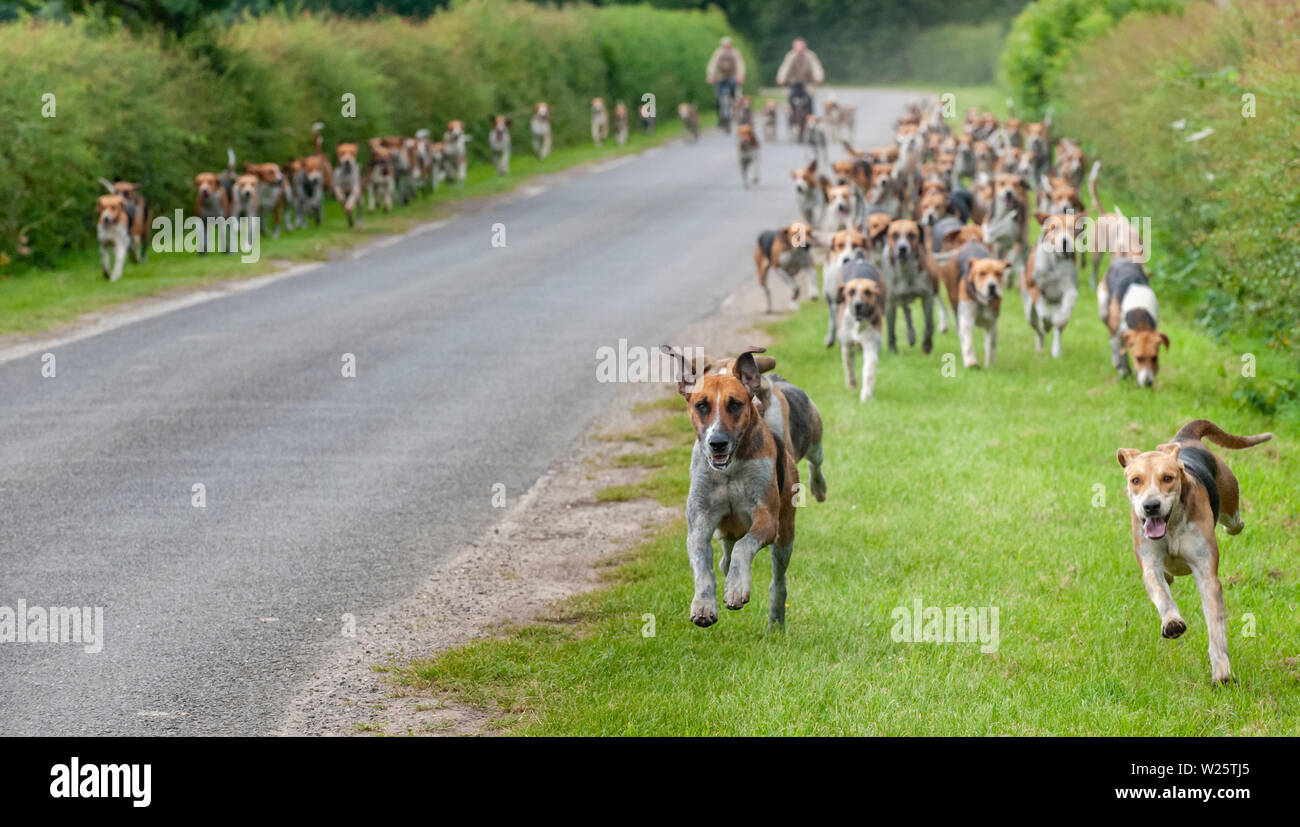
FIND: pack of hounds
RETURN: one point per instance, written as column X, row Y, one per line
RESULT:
column 396, row 171
column 891, row 227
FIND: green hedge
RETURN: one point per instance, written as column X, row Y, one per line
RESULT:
column 1045, row 37
column 1224, row 207
column 127, row 106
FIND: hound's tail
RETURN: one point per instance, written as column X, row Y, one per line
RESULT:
column 317, row 140
column 230, row 159
column 1092, row 186
column 1204, row 428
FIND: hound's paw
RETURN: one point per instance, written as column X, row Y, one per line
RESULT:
column 1173, row 628
column 704, row 613
column 735, row 599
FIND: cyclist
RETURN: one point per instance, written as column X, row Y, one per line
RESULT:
column 801, row 71
column 726, row 72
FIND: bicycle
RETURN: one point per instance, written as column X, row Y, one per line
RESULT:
column 726, row 92
column 801, row 106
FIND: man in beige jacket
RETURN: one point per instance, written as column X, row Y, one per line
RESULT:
column 726, row 72
column 802, row 72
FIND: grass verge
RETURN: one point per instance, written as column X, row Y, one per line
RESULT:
column 990, row 488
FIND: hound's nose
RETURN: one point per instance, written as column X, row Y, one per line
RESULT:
column 1151, row 508
column 718, row 444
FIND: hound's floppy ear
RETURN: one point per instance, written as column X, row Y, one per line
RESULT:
column 812, row 167
column 763, row 363
column 1124, row 341
column 748, row 374
column 839, row 294
column 688, row 372
column 1164, row 340
column 1125, row 456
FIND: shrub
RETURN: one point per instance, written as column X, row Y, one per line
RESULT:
column 131, row 107
column 1223, row 204
column 1045, row 36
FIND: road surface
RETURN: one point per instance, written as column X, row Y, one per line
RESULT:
column 326, row 495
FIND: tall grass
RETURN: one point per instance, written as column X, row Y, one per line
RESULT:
column 1224, row 205
column 127, row 106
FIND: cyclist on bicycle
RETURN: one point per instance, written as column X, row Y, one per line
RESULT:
column 801, row 71
column 726, row 72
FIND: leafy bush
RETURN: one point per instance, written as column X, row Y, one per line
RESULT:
column 1045, row 38
column 1197, row 124
column 129, row 106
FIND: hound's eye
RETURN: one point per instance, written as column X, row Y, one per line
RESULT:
column 702, row 407
column 1168, row 478
column 735, row 406
column 1136, row 480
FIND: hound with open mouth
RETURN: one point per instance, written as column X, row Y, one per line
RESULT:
column 845, row 208
column 499, row 143
column 743, row 481
column 861, row 299
column 1178, row 492
column 790, row 414
column 540, row 128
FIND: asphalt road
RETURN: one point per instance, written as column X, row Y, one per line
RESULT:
column 325, row 495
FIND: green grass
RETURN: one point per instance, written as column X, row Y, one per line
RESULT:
column 37, row 299
column 974, row 490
